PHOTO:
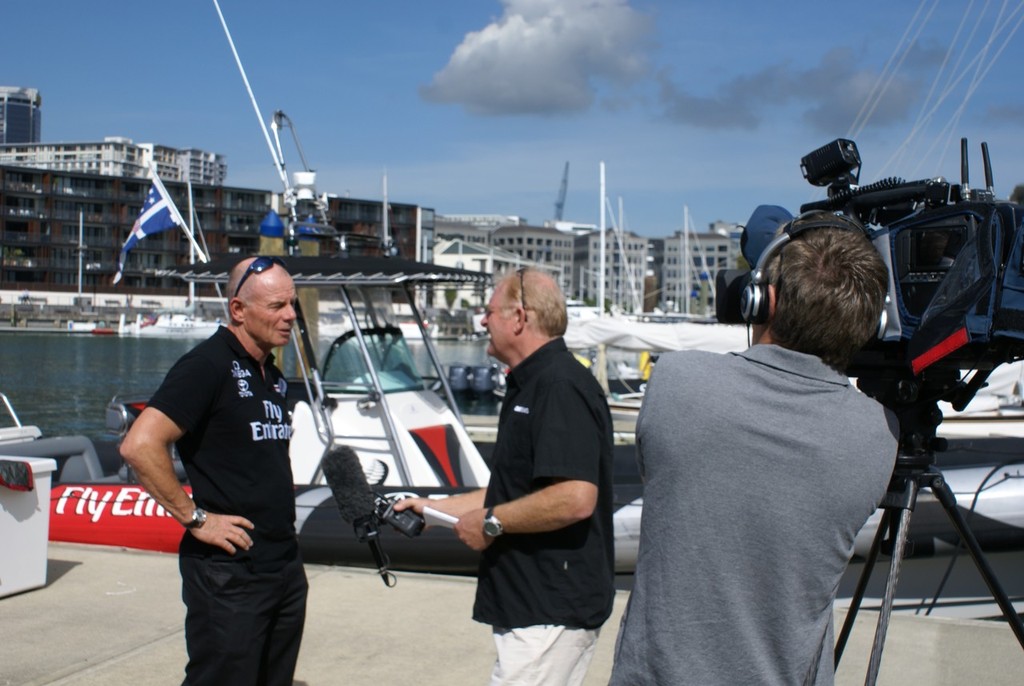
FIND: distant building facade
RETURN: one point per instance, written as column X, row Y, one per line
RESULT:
column 21, row 117
column 117, row 156
column 487, row 222
column 43, row 212
column 460, row 254
column 541, row 246
column 625, row 268
column 468, row 232
column 688, row 264
column 640, row 274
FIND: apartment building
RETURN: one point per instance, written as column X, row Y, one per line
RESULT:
column 625, row 268
column 541, row 246
column 48, row 217
column 118, row 156
column 688, row 263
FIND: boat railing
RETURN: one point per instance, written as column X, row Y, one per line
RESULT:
column 10, row 410
column 16, row 431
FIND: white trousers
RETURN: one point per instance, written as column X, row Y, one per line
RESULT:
column 542, row 655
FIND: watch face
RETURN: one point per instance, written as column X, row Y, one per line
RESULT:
column 492, row 527
column 198, row 518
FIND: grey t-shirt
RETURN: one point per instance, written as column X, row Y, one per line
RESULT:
column 759, row 470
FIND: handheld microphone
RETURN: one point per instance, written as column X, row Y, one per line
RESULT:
column 347, row 481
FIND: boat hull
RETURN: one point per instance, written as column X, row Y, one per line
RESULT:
column 124, row 515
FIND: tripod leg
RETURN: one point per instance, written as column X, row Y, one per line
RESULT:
column 946, row 498
column 890, row 588
column 862, row 585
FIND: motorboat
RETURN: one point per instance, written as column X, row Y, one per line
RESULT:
column 173, row 324
column 365, row 392
column 77, row 456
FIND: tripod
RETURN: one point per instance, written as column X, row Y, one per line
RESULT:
column 910, row 475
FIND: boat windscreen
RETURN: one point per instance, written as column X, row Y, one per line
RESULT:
column 344, row 369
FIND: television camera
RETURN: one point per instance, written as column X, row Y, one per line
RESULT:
column 955, row 257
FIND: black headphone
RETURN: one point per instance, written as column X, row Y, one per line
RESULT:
column 754, row 298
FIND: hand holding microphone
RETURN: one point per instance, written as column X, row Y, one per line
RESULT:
column 361, row 508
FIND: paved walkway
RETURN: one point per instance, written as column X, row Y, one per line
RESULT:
column 108, row 617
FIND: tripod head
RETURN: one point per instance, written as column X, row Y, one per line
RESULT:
column 915, row 402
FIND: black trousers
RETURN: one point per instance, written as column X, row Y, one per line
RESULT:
column 242, row 627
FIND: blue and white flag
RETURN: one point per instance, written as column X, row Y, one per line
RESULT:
column 155, row 217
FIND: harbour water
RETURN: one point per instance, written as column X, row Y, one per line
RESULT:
column 62, row 382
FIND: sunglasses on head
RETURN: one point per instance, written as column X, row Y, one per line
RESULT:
column 522, row 287
column 258, row 266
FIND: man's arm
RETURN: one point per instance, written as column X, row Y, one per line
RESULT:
column 456, row 505
column 548, row 509
column 147, row 450
column 551, row 508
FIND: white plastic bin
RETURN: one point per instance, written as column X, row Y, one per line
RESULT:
column 25, row 529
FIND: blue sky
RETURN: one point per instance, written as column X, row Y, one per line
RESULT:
column 475, row 106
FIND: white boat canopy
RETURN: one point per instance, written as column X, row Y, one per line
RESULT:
column 336, row 271
column 631, row 335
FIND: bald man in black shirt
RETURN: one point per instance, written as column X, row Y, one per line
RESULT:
column 223, row 405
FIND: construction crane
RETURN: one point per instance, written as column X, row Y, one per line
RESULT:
column 560, row 202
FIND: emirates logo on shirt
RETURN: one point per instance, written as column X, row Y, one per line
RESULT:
column 274, row 428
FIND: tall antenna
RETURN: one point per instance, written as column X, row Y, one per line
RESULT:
column 278, row 163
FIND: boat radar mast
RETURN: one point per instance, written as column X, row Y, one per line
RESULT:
column 304, row 188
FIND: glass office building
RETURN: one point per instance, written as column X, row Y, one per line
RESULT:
column 20, row 115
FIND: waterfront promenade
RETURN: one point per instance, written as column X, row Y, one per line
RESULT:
column 51, row 311
column 111, row 617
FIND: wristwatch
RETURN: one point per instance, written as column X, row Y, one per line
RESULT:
column 492, row 525
column 198, row 519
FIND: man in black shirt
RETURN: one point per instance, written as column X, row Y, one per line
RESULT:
column 223, row 404
column 544, row 523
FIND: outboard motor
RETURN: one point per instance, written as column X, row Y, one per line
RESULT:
column 483, row 380
column 458, row 378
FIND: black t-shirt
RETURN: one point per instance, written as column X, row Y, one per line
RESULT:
column 235, row 447
column 554, row 423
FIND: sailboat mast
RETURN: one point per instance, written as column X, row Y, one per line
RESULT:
column 600, row 269
column 81, row 249
column 384, row 220
column 684, row 258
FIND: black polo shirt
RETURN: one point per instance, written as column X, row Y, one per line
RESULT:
column 235, row 447
column 554, row 423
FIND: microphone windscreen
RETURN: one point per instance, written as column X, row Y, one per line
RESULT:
column 347, row 482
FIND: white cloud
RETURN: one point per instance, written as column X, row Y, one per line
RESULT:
column 544, row 57
column 827, row 96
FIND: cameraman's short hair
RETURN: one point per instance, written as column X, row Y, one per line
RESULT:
column 830, row 287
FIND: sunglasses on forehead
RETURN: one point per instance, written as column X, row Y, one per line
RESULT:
column 522, row 287
column 258, row 266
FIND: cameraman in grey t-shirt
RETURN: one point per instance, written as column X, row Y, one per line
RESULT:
column 759, row 470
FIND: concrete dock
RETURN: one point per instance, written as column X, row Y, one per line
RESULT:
column 108, row 617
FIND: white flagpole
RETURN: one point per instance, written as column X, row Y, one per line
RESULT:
column 192, row 248
column 177, row 215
